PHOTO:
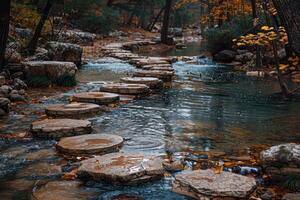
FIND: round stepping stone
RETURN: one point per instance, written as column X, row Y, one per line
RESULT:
column 123, row 88
column 123, row 168
column 101, row 98
column 63, row 190
column 151, row 82
column 92, row 144
column 200, row 184
column 58, row 128
column 163, row 75
column 73, row 110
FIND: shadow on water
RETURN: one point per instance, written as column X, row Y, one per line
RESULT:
column 208, row 108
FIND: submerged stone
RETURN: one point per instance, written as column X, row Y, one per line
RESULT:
column 123, row 168
column 42, row 169
column 151, row 82
column 123, row 88
column 58, row 128
column 88, row 145
column 100, row 98
column 63, row 190
column 73, row 110
column 200, row 184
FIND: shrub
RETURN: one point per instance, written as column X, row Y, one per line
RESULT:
column 220, row 38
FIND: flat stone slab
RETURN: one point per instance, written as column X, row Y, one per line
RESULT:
column 200, row 184
column 163, row 75
column 101, row 98
column 123, row 88
column 123, row 168
column 63, row 190
column 73, row 110
column 88, row 145
column 58, row 128
column 157, row 65
column 151, row 82
column 170, row 69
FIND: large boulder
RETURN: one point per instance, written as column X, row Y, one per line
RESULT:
column 286, row 154
column 225, row 56
column 64, row 52
column 76, row 36
column 50, row 69
column 206, row 184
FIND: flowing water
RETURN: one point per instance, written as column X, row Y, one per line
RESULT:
column 207, row 108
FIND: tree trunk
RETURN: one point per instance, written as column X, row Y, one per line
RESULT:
column 165, row 27
column 109, row 3
column 151, row 26
column 290, row 18
column 253, row 6
column 34, row 41
column 4, row 29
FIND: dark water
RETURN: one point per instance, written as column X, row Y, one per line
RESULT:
column 208, row 108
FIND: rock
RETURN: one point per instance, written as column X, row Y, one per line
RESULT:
column 255, row 73
column 50, row 69
column 206, row 184
column 73, row 110
column 15, row 97
column 225, row 56
column 64, row 52
column 39, row 55
column 24, row 33
column 5, row 90
column 63, row 190
column 291, row 196
column 180, row 46
column 177, row 32
column 12, row 55
column 101, row 98
column 19, row 84
column 152, row 83
column 2, row 80
column 285, row 154
column 123, row 88
column 268, row 195
column 2, row 112
column 76, row 36
column 124, row 168
column 4, row 104
column 163, row 75
column 58, row 128
column 18, row 75
column 15, row 67
column 89, row 145
column 243, row 58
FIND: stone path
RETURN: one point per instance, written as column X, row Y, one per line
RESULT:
column 123, row 168
column 88, row 145
column 73, row 110
column 58, row 128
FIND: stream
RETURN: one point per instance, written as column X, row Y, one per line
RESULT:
column 207, row 108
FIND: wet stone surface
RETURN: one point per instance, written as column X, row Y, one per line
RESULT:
column 151, row 82
column 123, row 168
column 58, row 128
column 73, row 110
column 88, row 145
column 63, row 190
column 123, row 88
column 163, row 75
column 101, row 98
column 208, row 184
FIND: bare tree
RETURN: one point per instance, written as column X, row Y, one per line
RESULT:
column 165, row 27
column 4, row 28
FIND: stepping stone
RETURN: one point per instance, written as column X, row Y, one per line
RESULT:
column 73, row 110
column 101, row 98
column 170, row 69
column 163, row 75
column 63, row 190
column 58, row 128
column 123, row 88
column 159, row 65
column 88, row 145
column 151, row 82
column 202, row 184
column 123, row 168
